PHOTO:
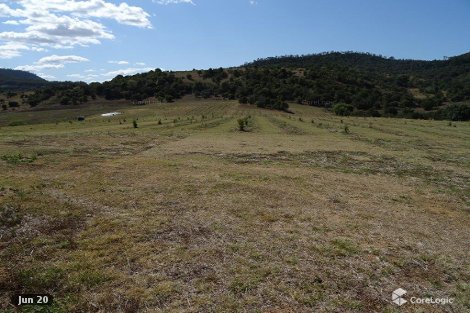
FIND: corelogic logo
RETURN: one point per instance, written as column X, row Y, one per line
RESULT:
column 397, row 296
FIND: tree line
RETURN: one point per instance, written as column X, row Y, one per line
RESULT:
column 357, row 83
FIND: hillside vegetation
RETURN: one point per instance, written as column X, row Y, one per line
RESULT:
column 349, row 83
column 19, row 80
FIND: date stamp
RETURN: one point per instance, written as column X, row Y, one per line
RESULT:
column 31, row 299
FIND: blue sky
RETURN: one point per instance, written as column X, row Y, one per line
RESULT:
column 98, row 39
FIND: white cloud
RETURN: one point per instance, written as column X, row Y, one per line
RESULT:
column 64, row 23
column 166, row 2
column 127, row 71
column 85, row 77
column 11, row 22
column 46, row 76
column 62, row 59
column 140, row 64
column 51, row 62
column 119, row 62
column 90, row 77
column 11, row 50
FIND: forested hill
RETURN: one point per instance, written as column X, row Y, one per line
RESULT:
column 17, row 80
column 358, row 61
column 348, row 83
column 362, row 61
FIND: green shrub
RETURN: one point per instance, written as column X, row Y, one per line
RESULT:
column 454, row 112
column 343, row 109
column 17, row 123
column 18, row 158
column 134, row 123
column 243, row 123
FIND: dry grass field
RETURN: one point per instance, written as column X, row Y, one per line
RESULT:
column 304, row 212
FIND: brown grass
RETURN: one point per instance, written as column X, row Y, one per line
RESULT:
column 195, row 216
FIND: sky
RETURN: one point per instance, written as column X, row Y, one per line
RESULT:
column 95, row 40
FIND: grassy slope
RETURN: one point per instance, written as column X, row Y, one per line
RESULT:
column 194, row 216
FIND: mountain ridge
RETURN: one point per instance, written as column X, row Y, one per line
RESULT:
column 363, row 83
column 19, row 80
